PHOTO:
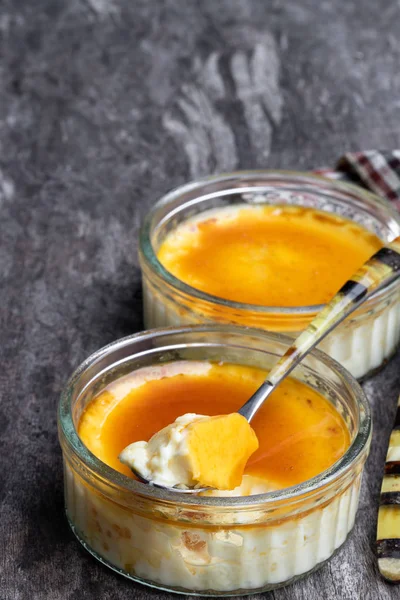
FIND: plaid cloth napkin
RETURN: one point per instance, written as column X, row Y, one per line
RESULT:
column 375, row 170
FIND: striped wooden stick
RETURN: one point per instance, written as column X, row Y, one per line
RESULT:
column 388, row 531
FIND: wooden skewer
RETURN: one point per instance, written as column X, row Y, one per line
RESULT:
column 388, row 530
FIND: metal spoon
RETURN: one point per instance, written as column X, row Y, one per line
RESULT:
column 381, row 269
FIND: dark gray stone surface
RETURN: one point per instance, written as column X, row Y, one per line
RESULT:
column 104, row 106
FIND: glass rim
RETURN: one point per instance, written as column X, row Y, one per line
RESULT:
column 116, row 480
column 150, row 257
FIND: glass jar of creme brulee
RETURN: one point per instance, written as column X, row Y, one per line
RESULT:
column 268, row 249
column 207, row 544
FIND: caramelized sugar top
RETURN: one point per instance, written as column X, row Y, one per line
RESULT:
column 267, row 255
column 300, row 433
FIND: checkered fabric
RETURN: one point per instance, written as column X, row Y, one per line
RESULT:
column 375, row 170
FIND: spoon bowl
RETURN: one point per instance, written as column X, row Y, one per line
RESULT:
column 176, row 488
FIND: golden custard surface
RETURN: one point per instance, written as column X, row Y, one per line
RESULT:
column 267, row 255
column 300, row 433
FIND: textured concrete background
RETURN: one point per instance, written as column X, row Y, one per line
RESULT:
column 104, row 106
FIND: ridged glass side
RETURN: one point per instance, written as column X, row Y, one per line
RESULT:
column 361, row 344
column 214, row 561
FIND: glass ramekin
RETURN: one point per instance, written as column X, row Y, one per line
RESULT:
column 361, row 343
column 210, row 545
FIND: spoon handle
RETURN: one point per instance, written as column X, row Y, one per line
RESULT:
column 388, row 530
column 382, row 268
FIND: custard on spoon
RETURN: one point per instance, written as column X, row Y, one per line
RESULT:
column 195, row 451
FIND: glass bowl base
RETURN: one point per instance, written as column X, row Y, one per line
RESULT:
column 200, row 593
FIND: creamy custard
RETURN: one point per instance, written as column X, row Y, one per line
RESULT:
column 300, row 433
column 267, row 255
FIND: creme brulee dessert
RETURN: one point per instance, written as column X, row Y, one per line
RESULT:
column 302, row 460
column 277, row 262
column 300, row 434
